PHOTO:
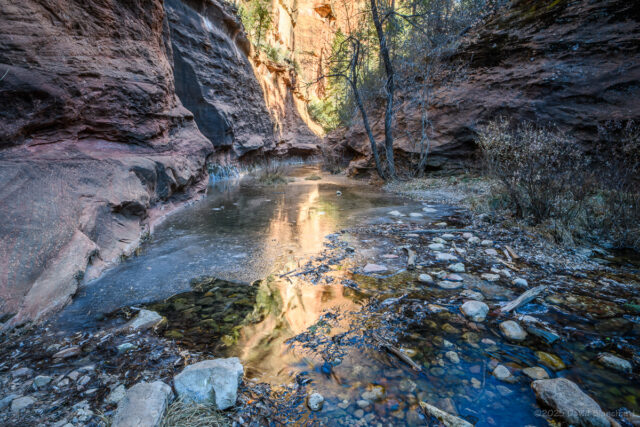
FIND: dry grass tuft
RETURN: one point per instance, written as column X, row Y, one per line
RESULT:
column 182, row 414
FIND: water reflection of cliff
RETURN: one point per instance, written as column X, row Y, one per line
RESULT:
column 287, row 306
column 284, row 309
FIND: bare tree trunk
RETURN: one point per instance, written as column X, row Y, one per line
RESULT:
column 389, row 88
column 365, row 119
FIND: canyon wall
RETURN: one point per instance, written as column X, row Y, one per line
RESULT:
column 571, row 64
column 109, row 111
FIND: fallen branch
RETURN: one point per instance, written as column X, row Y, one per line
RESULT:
column 523, row 299
column 512, row 253
column 444, row 417
column 396, row 352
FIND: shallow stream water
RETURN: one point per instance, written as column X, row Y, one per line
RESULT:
column 290, row 300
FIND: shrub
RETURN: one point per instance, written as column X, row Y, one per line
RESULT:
column 550, row 182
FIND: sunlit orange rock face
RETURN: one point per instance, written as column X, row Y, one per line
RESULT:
column 307, row 28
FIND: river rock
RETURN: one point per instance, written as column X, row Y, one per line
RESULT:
column 375, row 394
column 439, row 240
column 436, row 247
column 513, row 331
column 126, row 347
column 491, row 252
column 452, row 356
column 536, row 373
column 520, row 282
column 475, row 310
column 453, row 277
column 425, row 278
column 416, row 215
column 446, row 284
column 21, row 372
column 614, row 362
column 21, row 403
column 571, row 403
column 490, row 277
column 67, row 353
column 396, row 213
column 428, row 210
column 457, row 267
column 486, row 243
column 502, row 373
column 145, row 319
column 41, row 381
column 315, row 401
column 473, row 239
column 441, row 256
column 468, row 293
column 143, row 405
column 210, row 381
column 448, row 236
column 116, row 395
column 550, row 360
column 374, row 268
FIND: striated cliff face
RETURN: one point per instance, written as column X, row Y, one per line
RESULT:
column 109, row 111
column 574, row 64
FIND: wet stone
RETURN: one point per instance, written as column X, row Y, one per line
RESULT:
column 520, row 282
column 550, row 360
column 475, row 310
column 502, row 373
column 425, row 278
column 21, row 403
column 315, row 401
column 452, row 356
column 490, row 277
column 446, row 257
column 446, row 284
column 513, row 331
column 116, row 395
column 571, row 403
column 468, row 293
column 436, row 247
column 457, row 267
column 41, row 381
column 536, row 373
column 22, row 372
column 375, row 394
column 374, row 268
column 614, row 362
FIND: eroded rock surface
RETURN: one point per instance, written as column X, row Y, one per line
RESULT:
column 574, row 64
column 96, row 145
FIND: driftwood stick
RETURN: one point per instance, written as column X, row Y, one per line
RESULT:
column 523, row 299
column 411, row 258
column 512, row 253
column 396, row 352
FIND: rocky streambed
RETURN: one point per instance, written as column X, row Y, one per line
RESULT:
column 406, row 314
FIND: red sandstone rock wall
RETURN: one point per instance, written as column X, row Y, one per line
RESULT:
column 95, row 143
column 572, row 63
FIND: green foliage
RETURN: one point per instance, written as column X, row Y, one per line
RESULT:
column 256, row 18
